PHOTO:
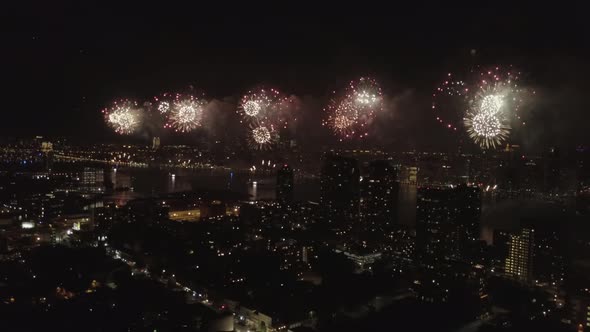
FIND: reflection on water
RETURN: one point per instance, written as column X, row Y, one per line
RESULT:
column 137, row 182
column 407, row 204
column 146, row 182
column 487, row 234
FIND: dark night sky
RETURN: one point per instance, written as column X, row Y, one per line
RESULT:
column 63, row 63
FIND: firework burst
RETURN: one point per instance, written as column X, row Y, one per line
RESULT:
column 487, row 121
column 498, row 90
column 186, row 113
column 164, row 106
column 265, row 111
column 262, row 136
column 124, row 117
column 343, row 119
column 453, row 98
column 486, row 102
column 260, row 104
column 366, row 94
column 350, row 116
column 486, row 129
column 164, row 102
column 252, row 107
column 491, row 104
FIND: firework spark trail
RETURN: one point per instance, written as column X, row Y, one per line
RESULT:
column 124, row 117
column 445, row 98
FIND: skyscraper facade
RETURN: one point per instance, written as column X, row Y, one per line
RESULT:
column 379, row 195
column 447, row 229
column 92, row 180
column 519, row 263
column 339, row 189
column 436, row 231
column 285, row 184
column 552, row 170
column 466, row 202
column 447, row 223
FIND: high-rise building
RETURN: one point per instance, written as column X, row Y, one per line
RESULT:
column 436, row 231
column 3, row 244
column 501, row 246
column 104, row 217
column 42, row 207
column 583, row 167
column 467, row 205
column 339, row 189
column 47, row 152
column 379, row 195
column 534, row 254
column 579, row 309
column 552, row 170
column 92, row 180
column 531, row 173
column 456, row 283
column 285, row 184
column 549, row 258
column 583, row 180
column 509, row 167
column 447, row 238
column 447, row 223
column 521, row 247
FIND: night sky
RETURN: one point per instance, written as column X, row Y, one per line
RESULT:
column 63, row 63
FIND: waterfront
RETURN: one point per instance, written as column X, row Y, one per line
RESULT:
column 143, row 182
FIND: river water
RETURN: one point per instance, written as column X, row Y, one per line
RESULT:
column 144, row 182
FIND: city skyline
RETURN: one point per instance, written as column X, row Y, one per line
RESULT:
column 294, row 167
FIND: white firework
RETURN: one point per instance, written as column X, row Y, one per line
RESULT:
column 164, row 107
column 252, row 107
column 261, row 135
column 123, row 117
column 366, row 98
column 491, row 104
column 486, row 129
column 186, row 114
column 342, row 122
